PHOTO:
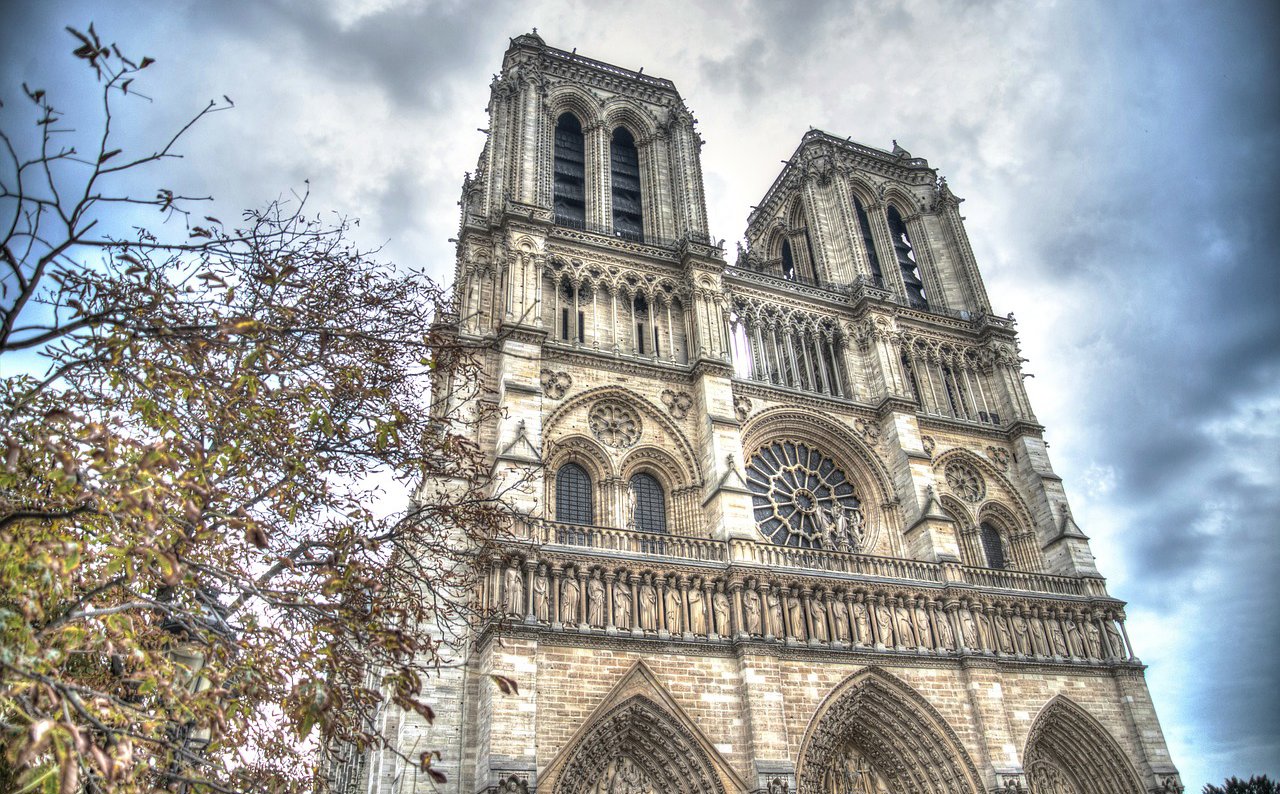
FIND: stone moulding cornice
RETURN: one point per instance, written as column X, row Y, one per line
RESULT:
column 783, row 395
column 604, row 242
column 600, row 359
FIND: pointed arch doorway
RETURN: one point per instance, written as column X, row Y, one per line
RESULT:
column 639, row 741
column 874, row 734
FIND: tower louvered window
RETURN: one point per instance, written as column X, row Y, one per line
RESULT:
column 573, row 495
column 570, row 173
column 906, row 260
column 868, row 244
column 992, row 547
column 788, row 262
column 650, row 503
column 624, row 175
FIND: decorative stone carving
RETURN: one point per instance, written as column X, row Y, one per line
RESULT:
column 818, row 619
column 999, row 457
column 965, row 482
column 624, row 776
column 678, row 403
column 929, row 445
column 615, row 424
column 868, row 430
column 513, row 785
column 742, row 408
column 556, row 384
column 854, row 774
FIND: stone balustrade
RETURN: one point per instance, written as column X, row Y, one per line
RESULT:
column 628, row 542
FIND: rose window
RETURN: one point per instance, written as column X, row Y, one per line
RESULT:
column 615, row 424
column 965, row 482
column 801, row 497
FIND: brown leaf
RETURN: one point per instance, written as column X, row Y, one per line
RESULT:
column 255, row 535
column 107, row 156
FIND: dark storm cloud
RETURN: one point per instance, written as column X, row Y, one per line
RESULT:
column 410, row 51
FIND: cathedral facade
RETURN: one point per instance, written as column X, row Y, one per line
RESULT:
column 781, row 524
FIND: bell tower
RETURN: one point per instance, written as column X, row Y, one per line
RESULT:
column 786, row 524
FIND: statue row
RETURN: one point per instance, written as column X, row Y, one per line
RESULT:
column 642, row 603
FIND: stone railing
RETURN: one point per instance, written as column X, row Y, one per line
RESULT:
column 627, row 542
column 671, row 592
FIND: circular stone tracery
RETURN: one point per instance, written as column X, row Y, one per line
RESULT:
column 615, row 424
column 800, row 495
column 965, row 482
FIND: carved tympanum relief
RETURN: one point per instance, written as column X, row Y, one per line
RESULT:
column 623, row 776
column 853, row 774
column 614, row 423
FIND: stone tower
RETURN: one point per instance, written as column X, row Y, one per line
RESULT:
column 782, row 525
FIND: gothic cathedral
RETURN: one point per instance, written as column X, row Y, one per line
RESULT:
column 781, row 525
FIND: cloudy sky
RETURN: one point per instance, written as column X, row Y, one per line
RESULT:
column 1120, row 166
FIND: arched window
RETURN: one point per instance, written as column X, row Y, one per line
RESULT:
column 992, row 547
column 906, row 260
column 788, row 262
column 624, row 176
column 573, row 495
column 868, row 243
column 640, row 310
column 650, row 504
column 570, row 173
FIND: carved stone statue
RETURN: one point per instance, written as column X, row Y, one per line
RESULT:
column 1021, row 635
column 697, row 610
column 1038, row 645
column 861, row 624
column 1093, row 639
column 776, row 624
column 969, row 630
column 621, row 605
column 1115, row 640
column 595, row 602
column 751, row 605
column 884, row 626
column 720, row 606
column 1074, row 643
column 513, row 584
column 984, row 629
column 840, row 619
column 818, row 619
column 648, row 607
column 569, row 601
column 923, row 635
column 946, row 637
column 541, row 601
column 672, row 604
column 795, row 624
column 1059, row 641
column 906, row 632
column 1003, row 635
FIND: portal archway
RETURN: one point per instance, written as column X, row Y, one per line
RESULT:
column 1069, row 752
column 875, row 734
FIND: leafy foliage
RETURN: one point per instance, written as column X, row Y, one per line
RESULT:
column 197, row 584
column 1257, row 784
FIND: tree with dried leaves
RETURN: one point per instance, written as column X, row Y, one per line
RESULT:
column 197, row 585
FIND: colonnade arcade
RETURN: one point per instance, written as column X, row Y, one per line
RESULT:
column 618, row 312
